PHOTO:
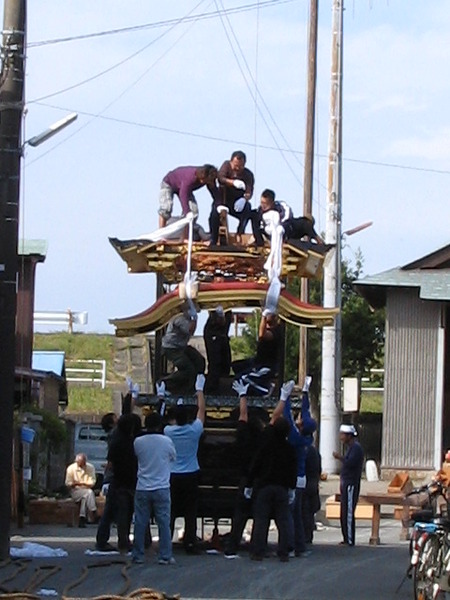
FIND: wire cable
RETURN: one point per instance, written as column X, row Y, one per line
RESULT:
column 157, row 24
column 234, row 141
column 116, row 65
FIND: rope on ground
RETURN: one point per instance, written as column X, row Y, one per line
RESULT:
column 124, row 573
column 20, row 566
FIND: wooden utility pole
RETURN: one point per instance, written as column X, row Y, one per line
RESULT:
column 11, row 110
column 309, row 169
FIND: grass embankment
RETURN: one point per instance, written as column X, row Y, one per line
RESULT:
column 78, row 346
column 84, row 398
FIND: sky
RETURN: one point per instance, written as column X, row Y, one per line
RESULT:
column 187, row 83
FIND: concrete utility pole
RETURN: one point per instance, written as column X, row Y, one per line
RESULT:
column 331, row 339
column 309, row 169
column 11, row 110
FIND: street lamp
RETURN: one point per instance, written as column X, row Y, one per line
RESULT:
column 37, row 140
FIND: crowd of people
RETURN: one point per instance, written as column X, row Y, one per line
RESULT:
column 154, row 473
column 231, row 188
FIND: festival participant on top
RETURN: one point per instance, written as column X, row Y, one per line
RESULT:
column 236, row 184
column 350, row 480
column 183, row 181
column 217, row 344
column 272, row 212
column 270, row 337
column 175, row 346
column 300, row 437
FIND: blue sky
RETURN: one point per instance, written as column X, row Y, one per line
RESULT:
column 176, row 95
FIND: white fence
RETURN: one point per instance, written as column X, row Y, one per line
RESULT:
column 86, row 371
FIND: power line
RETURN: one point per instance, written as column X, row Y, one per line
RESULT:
column 116, row 65
column 166, row 23
column 234, row 141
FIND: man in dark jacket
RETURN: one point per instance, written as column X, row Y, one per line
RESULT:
column 273, row 475
column 350, row 480
column 217, row 344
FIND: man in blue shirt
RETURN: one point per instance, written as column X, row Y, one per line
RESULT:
column 185, row 474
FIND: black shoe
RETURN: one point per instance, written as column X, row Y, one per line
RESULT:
column 82, row 522
column 105, row 547
column 192, row 549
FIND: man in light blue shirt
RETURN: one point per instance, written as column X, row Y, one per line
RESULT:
column 155, row 454
column 185, row 474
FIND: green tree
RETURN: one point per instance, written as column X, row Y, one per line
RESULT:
column 362, row 331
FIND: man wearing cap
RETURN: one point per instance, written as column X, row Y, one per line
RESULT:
column 350, row 481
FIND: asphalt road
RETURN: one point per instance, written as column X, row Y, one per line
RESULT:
column 332, row 571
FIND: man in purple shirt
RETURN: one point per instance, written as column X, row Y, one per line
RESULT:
column 183, row 181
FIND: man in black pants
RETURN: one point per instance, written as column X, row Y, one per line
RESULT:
column 217, row 345
column 350, row 481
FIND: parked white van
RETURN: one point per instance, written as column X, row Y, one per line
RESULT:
column 90, row 439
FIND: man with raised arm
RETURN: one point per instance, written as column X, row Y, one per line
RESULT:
column 184, row 479
column 249, row 436
column 300, row 437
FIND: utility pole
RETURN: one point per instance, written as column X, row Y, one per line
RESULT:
column 309, row 169
column 11, row 110
column 331, row 338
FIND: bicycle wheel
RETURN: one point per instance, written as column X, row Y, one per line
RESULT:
column 426, row 571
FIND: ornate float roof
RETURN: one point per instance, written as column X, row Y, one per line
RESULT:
column 218, row 263
column 229, row 294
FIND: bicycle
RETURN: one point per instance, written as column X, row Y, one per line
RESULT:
column 430, row 545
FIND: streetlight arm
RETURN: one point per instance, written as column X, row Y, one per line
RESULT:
column 55, row 128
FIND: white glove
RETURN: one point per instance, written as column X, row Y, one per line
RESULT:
column 222, row 208
column 135, row 391
column 266, row 312
column 248, row 493
column 180, row 401
column 286, row 390
column 291, row 496
column 105, row 488
column 307, row 383
column 239, row 184
column 161, row 389
column 239, row 205
column 200, row 382
column 240, row 387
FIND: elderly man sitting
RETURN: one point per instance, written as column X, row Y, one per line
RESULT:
column 80, row 479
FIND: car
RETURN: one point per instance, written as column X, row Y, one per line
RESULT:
column 90, row 439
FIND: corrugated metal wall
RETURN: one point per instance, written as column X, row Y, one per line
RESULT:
column 410, row 380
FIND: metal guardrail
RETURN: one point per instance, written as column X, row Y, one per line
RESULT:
column 90, row 374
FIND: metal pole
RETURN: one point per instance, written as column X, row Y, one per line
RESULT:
column 11, row 110
column 309, row 170
column 331, row 339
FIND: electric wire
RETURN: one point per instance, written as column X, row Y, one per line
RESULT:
column 116, row 65
column 165, row 23
column 252, row 95
column 236, row 141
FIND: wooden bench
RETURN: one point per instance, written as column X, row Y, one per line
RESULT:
column 64, row 511
column 376, row 500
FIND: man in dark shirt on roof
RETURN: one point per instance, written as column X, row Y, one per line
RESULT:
column 183, row 181
column 236, row 184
